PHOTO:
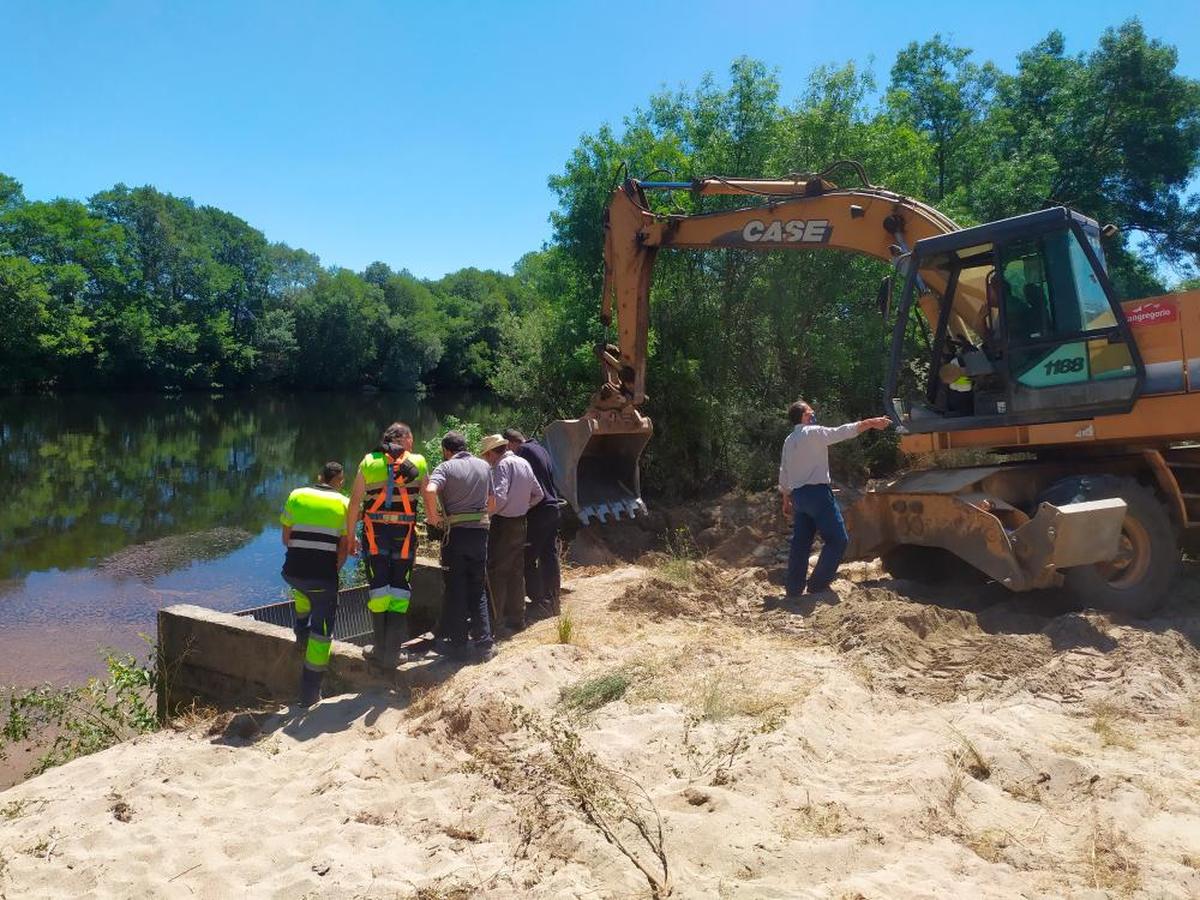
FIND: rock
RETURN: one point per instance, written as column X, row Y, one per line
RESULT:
column 696, row 797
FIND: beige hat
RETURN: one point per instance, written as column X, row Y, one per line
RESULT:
column 491, row 442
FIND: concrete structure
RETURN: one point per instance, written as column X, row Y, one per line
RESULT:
column 228, row 661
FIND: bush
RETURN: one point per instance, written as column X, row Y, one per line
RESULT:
column 73, row 721
column 473, row 432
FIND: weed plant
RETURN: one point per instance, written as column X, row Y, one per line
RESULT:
column 66, row 723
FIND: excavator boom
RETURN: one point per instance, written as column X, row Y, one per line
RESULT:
column 597, row 454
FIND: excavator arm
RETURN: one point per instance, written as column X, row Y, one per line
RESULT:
column 597, row 454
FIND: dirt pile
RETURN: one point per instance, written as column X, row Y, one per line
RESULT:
column 691, row 588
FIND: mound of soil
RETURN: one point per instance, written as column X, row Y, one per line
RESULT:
column 696, row 588
column 922, row 649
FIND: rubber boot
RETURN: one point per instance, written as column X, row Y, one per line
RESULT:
column 397, row 634
column 310, row 687
column 378, row 650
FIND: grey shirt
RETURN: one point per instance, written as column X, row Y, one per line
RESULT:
column 462, row 485
column 805, row 457
column 514, row 486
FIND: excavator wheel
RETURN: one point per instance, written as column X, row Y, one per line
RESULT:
column 1137, row 580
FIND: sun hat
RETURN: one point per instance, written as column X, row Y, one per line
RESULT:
column 491, row 442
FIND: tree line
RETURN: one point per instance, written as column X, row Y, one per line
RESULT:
column 136, row 288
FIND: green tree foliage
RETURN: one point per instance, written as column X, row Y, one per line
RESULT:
column 143, row 289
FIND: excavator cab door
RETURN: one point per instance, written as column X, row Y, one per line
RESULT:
column 1068, row 345
column 1046, row 340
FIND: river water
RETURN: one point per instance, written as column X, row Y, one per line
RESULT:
column 114, row 506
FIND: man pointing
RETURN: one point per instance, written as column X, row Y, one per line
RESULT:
column 808, row 498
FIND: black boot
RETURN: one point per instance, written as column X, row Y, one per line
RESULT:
column 310, row 687
column 378, row 650
column 397, row 634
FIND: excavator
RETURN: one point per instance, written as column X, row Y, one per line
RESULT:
column 1022, row 353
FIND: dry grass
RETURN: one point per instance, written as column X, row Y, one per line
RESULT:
column 953, row 782
column 14, row 809
column 825, row 820
column 989, row 844
column 968, row 757
column 1191, row 860
column 1106, row 725
column 1112, row 859
column 194, row 716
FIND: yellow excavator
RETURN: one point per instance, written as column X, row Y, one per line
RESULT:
column 1025, row 352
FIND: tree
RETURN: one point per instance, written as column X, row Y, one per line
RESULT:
column 337, row 321
column 938, row 90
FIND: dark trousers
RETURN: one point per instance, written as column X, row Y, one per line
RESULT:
column 506, row 568
column 389, row 572
column 316, row 613
column 815, row 511
column 542, row 576
column 464, row 563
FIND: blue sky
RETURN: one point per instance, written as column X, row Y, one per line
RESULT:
column 423, row 134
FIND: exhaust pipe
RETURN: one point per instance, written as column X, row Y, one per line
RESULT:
column 596, row 462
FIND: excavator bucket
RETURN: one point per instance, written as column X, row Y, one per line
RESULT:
column 596, row 462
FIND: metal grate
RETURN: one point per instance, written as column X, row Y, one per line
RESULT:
column 353, row 621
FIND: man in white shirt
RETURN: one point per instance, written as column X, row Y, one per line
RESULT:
column 808, row 498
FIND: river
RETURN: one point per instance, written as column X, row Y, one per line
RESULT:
column 117, row 505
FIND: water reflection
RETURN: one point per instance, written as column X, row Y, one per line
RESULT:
column 115, row 506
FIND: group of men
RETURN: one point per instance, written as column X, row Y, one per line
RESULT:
column 497, row 513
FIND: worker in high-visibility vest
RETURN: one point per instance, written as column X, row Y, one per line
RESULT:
column 314, row 532
column 384, row 497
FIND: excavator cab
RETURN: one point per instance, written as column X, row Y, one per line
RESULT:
column 1018, row 325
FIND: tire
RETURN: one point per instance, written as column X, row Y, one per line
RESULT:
column 1136, row 583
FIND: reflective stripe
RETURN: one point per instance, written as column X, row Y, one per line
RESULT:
column 295, row 544
column 379, row 599
column 305, row 533
column 316, row 654
column 303, row 604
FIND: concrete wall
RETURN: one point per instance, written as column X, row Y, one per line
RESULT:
column 229, row 661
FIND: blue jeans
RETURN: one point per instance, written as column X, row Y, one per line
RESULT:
column 815, row 512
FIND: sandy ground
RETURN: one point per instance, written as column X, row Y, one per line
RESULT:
column 694, row 736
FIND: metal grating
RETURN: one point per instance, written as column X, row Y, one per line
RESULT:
column 352, row 623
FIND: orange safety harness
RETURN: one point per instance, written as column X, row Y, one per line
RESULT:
column 381, row 512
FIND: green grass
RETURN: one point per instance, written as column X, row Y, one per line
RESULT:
column 566, row 628
column 594, row 693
